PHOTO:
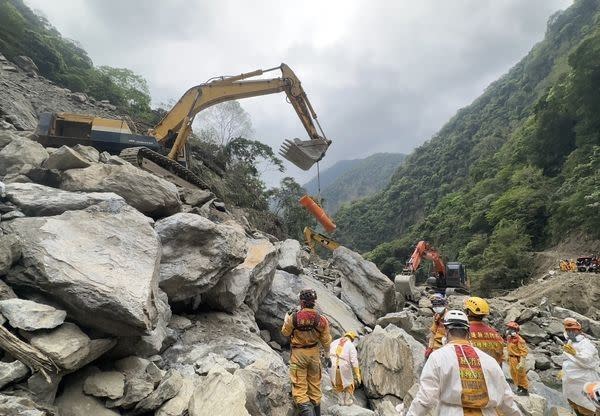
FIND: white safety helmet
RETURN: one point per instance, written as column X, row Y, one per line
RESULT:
column 456, row 319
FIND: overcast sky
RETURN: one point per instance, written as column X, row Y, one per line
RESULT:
column 383, row 76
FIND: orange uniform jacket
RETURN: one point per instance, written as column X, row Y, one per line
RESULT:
column 487, row 339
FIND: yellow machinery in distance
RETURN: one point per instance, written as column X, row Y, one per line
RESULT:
column 311, row 237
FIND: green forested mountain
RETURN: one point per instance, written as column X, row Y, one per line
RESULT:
column 349, row 180
column 22, row 32
column 515, row 171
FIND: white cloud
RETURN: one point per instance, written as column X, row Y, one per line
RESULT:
column 382, row 75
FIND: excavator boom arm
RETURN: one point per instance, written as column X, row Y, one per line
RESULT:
column 179, row 119
column 425, row 250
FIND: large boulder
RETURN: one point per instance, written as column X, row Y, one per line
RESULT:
column 178, row 405
column 109, row 384
column 283, row 297
column 144, row 191
column 15, row 405
column 219, row 393
column 391, row 361
column 232, row 341
column 196, row 254
column 65, row 158
column 167, row 389
column 532, row 333
column 249, row 281
column 31, row 316
column 20, row 152
column 10, row 252
column 365, row 289
column 66, row 345
column 532, row 405
column 100, row 265
column 36, row 200
column 290, row 256
column 11, row 372
column 74, row 402
column 153, row 343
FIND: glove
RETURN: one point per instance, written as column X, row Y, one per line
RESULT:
column 569, row 349
column 428, row 352
column 287, row 319
column 357, row 376
column 559, row 375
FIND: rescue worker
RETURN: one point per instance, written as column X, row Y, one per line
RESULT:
column 580, row 366
column 307, row 330
column 572, row 265
column 592, row 391
column 462, row 379
column 344, row 371
column 483, row 336
column 437, row 331
column 564, row 265
column 517, row 351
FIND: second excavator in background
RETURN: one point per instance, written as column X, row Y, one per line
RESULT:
column 447, row 278
column 163, row 150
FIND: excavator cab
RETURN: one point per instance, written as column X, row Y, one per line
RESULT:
column 456, row 277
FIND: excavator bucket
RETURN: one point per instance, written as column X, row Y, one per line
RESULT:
column 304, row 153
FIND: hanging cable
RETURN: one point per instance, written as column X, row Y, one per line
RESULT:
column 319, row 201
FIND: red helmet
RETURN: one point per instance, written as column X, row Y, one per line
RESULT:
column 572, row 323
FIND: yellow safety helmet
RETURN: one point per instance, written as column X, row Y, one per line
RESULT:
column 351, row 334
column 477, row 306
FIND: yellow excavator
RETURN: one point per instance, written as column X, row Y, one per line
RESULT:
column 312, row 238
column 163, row 149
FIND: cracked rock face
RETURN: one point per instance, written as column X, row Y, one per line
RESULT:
column 115, row 288
column 31, row 316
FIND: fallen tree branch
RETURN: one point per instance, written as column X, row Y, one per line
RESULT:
column 27, row 354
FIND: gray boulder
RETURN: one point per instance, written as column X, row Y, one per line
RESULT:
column 290, row 256
column 12, row 372
column 109, row 384
column 66, row 345
column 10, row 253
column 166, row 390
column 26, row 64
column 219, row 393
column 113, row 290
column 391, row 361
column 89, row 153
column 31, row 316
column 178, row 405
column 196, row 254
column 219, row 336
column 153, row 343
column 532, row 405
column 532, row 333
column 22, row 406
column 65, row 158
column 400, row 319
column 195, row 197
column 283, row 297
column 365, row 289
column 21, row 152
column 74, row 402
column 249, row 281
column 38, row 200
column 353, row 410
column 144, row 191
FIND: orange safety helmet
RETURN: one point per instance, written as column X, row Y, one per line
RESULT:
column 572, row 323
column 513, row 325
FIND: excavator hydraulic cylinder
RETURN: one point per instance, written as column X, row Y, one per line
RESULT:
column 318, row 212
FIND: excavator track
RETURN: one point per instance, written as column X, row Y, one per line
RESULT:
column 164, row 167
